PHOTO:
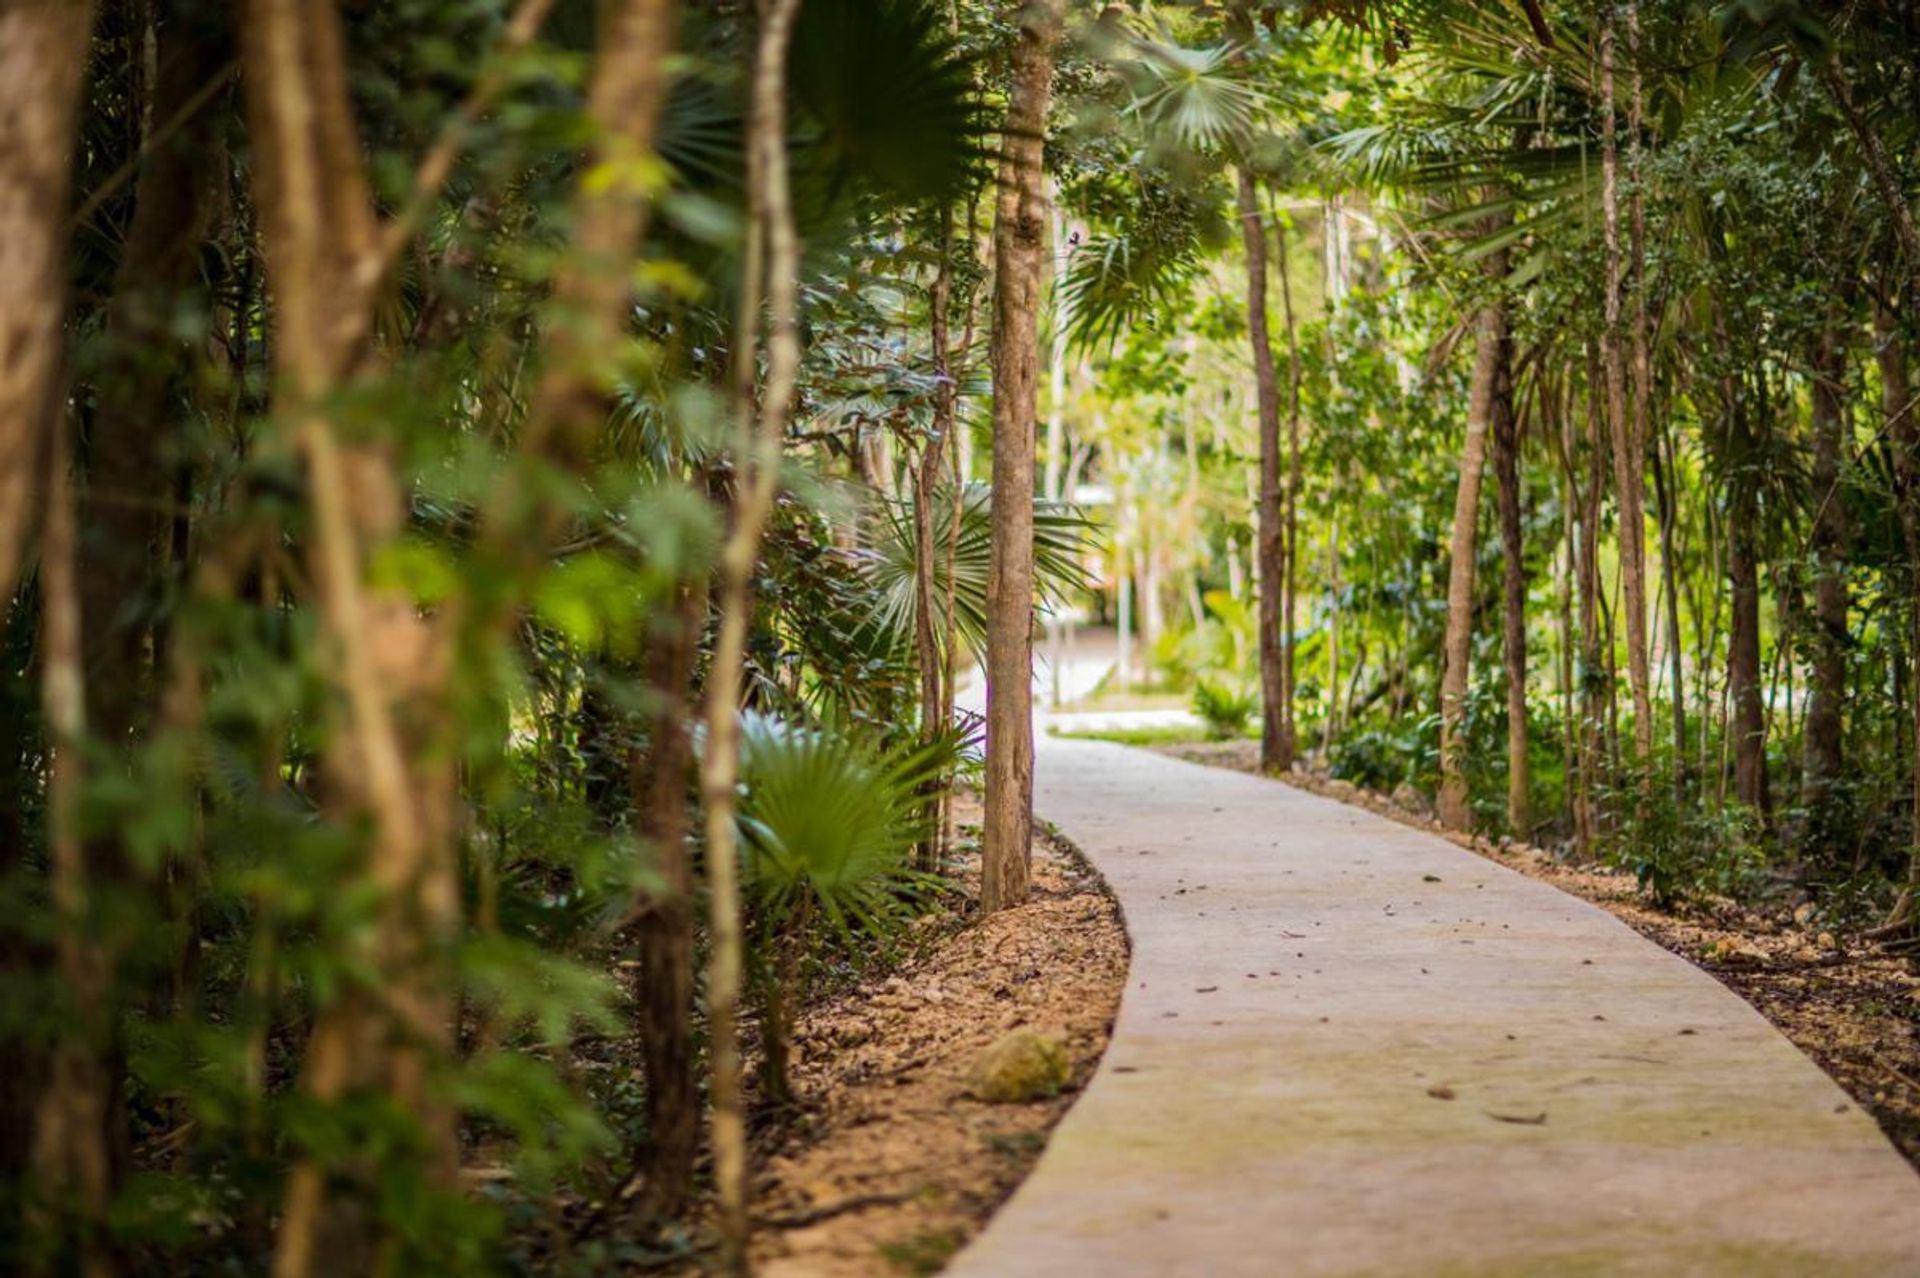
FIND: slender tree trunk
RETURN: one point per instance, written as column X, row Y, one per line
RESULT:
column 1596, row 665
column 1743, row 658
column 1629, row 449
column 1019, row 253
column 1333, row 635
column 1667, row 494
column 925, row 487
column 122, row 557
column 74, row 1152
column 1057, row 429
column 1570, row 757
column 1827, row 691
column 664, row 989
column 1490, row 336
column 958, row 478
column 43, row 55
column 772, row 268
column 1276, row 743
column 327, row 260
column 1898, row 414
column 317, row 229
column 592, row 285
column 1506, row 467
column 133, row 436
column 1290, row 551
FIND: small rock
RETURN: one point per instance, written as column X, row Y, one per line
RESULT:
column 1025, row 1065
column 1733, row 949
column 1409, row 799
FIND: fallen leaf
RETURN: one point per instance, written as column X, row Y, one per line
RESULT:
column 1524, row 1120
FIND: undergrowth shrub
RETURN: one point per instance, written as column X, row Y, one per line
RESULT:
column 1225, row 708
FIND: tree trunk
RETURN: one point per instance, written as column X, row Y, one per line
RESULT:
column 593, row 283
column 1898, row 414
column 1596, row 665
column 1564, row 574
column 1506, row 468
column 133, row 436
column 1743, row 657
column 1629, row 448
column 1276, row 743
column 664, row 989
column 926, row 482
column 1290, row 551
column 1333, row 636
column 772, row 268
column 319, row 236
column 1827, row 690
column 1490, row 337
column 121, row 557
column 43, row 55
column 1019, row 255
column 1667, row 493
column 75, row 1153
column 327, row 259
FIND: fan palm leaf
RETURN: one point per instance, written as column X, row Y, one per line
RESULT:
column 1060, row 536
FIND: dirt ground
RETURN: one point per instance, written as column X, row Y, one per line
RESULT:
column 1852, row 1007
column 892, row 1168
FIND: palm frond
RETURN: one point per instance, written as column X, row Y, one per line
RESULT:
column 1060, row 535
column 829, row 817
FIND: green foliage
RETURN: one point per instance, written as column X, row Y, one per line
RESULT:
column 1060, row 537
column 828, row 819
column 1224, row 708
column 1678, row 851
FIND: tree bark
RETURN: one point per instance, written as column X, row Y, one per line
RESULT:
column 43, row 55
column 664, row 931
column 1506, row 468
column 926, row 483
column 1898, row 417
column 75, row 1156
column 1019, row 253
column 1490, row 341
column 1667, row 493
column 115, row 571
column 1629, row 448
column 1290, row 551
column 1596, row 666
column 591, row 289
column 1827, row 690
column 1743, row 657
column 132, row 439
column 318, row 232
column 1270, row 561
column 772, row 268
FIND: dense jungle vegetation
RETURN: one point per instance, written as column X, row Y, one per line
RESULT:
column 499, row 500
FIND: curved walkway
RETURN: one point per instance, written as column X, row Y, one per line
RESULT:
column 1349, row 1047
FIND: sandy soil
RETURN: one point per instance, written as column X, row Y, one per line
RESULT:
column 1854, row 1009
column 891, row 1168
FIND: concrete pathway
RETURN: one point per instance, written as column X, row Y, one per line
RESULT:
column 1348, row 1047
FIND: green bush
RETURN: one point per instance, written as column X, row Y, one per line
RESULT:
column 1226, row 709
